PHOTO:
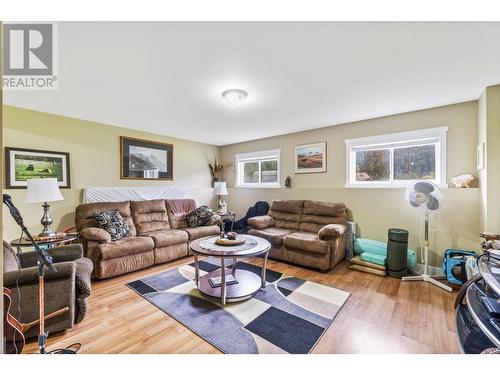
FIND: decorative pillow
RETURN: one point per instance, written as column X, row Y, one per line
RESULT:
column 112, row 222
column 199, row 217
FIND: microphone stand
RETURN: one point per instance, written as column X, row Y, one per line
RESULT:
column 44, row 260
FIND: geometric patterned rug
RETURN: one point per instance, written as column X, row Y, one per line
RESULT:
column 290, row 315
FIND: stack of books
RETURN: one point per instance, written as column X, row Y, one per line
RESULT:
column 359, row 264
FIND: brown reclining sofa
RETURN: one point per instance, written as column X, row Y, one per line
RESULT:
column 304, row 232
column 158, row 235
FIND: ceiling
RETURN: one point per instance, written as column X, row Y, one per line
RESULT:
column 167, row 77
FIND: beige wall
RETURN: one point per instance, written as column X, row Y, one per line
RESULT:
column 376, row 210
column 489, row 133
column 95, row 161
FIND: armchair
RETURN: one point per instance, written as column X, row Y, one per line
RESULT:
column 68, row 287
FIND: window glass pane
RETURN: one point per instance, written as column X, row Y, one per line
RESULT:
column 417, row 162
column 373, row 165
column 251, row 172
column 269, row 171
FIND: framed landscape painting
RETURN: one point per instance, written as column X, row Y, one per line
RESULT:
column 310, row 158
column 22, row 164
column 146, row 160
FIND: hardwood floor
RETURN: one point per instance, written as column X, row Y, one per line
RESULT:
column 383, row 315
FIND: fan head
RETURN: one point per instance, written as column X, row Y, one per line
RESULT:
column 424, row 195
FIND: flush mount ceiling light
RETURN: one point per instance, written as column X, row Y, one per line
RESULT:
column 235, row 96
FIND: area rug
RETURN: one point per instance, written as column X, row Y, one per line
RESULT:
column 290, row 315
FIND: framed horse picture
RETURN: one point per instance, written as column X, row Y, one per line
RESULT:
column 310, row 158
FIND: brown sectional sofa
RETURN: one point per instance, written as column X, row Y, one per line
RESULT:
column 157, row 235
column 304, row 232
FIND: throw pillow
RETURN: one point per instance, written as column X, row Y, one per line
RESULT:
column 113, row 223
column 198, row 217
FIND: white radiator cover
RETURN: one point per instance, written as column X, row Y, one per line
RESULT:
column 136, row 193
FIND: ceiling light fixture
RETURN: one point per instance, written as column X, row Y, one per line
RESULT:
column 235, row 96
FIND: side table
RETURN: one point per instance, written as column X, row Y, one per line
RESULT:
column 68, row 238
column 227, row 216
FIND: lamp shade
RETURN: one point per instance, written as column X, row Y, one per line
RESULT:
column 43, row 190
column 220, row 188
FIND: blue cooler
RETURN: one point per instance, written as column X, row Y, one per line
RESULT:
column 454, row 265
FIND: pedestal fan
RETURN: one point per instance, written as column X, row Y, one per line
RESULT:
column 425, row 196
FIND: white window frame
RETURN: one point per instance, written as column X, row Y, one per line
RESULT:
column 259, row 156
column 435, row 136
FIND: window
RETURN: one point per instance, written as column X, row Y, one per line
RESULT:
column 258, row 169
column 394, row 160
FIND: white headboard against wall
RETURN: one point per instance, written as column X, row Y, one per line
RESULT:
column 136, row 193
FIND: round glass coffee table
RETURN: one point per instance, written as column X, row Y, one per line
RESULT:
column 234, row 284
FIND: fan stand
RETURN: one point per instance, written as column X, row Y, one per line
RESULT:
column 425, row 276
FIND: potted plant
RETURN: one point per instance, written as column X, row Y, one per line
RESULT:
column 215, row 170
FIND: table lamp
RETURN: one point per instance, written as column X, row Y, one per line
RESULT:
column 220, row 190
column 44, row 190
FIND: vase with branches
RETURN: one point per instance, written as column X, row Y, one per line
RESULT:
column 215, row 170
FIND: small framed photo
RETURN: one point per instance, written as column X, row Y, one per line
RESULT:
column 146, row 160
column 310, row 158
column 22, row 164
column 480, row 156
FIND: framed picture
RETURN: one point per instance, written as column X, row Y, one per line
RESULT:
column 480, row 156
column 146, row 160
column 310, row 158
column 22, row 164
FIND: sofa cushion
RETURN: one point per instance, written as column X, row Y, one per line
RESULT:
column 149, row 216
column 274, row 235
column 171, row 252
column 286, row 213
column 324, row 208
column 169, row 237
column 290, row 206
column 123, row 247
column 118, row 266
column 306, row 241
column 113, row 223
column 177, row 210
column 84, row 214
column 203, row 231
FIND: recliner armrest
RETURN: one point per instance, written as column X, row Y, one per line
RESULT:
column 66, row 253
column 261, row 222
column 29, row 275
column 331, row 231
column 95, row 234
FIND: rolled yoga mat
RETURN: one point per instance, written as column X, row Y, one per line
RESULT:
column 373, row 271
column 360, row 262
column 362, row 245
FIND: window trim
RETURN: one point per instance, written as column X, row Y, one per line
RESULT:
column 390, row 139
column 258, row 156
